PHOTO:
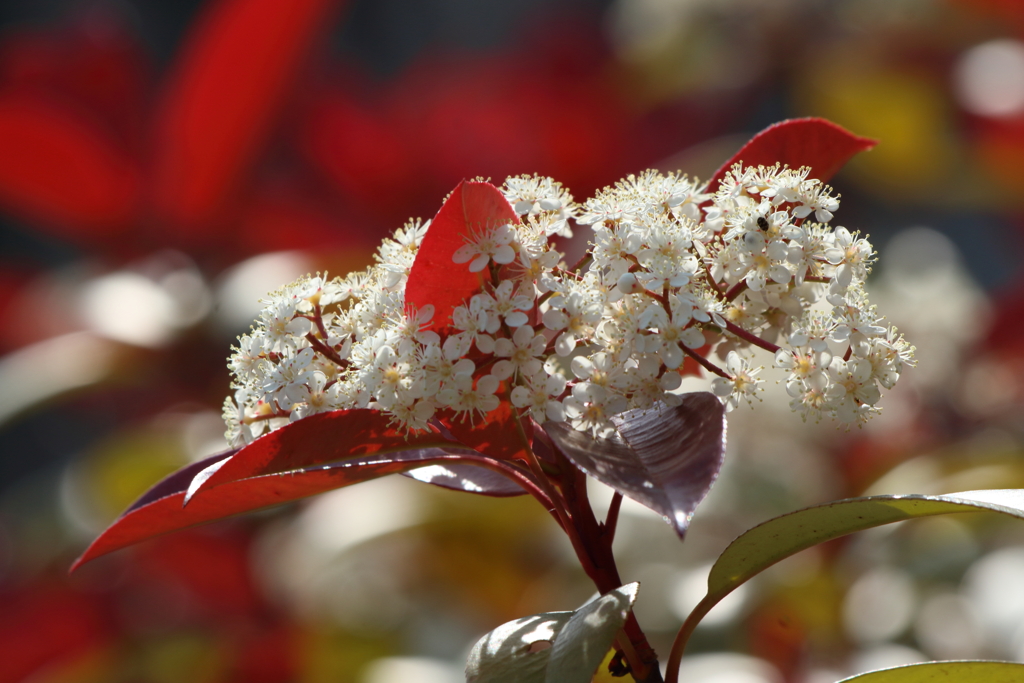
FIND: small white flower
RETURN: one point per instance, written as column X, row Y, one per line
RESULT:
column 538, row 395
column 509, row 305
column 743, row 382
column 522, row 352
column 469, row 400
column 802, row 363
column 487, row 245
column 853, row 392
column 590, row 408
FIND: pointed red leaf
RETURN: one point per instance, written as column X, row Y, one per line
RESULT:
column 179, row 481
column 168, row 513
column 435, row 279
column 230, row 85
column 814, row 142
column 63, row 170
column 663, row 458
column 317, row 439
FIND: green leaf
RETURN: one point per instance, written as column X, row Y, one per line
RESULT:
column 554, row 647
column 764, row 545
column 944, row 672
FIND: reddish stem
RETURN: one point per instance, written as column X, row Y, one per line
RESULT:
column 736, row 290
column 708, row 365
column 711, row 281
column 751, row 338
column 597, row 545
column 584, row 260
column 318, row 318
column 325, row 350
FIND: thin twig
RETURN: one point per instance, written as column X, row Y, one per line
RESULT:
column 324, row 350
column 711, row 281
column 708, row 365
column 751, row 338
column 584, row 260
column 675, row 656
column 736, row 290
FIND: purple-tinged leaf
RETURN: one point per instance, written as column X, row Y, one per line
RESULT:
column 468, row 478
column 663, row 458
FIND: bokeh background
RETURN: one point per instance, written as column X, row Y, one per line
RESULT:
column 163, row 164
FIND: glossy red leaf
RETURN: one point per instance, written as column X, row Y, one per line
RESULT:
column 664, row 458
column 435, row 279
column 814, row 142
column 317, row 439
column 62, row 170
column 307, row 457
column 169, row 513
column 177, row 481
column 232, row 81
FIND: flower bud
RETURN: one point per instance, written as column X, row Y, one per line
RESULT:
column 627, row 284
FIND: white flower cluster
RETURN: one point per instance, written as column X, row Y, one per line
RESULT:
column 673, row 271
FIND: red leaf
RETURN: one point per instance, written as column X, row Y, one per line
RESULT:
column 230, row 86
column 288, row 454
column 62, row 170
column 814, row 142
column 341, row 434
column 327, row 437
column 435, row 278
column 666, row 459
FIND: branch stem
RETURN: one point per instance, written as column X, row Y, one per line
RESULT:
column 643, row 661
column 736, row 290
column 708, row 365
column 324, row 350
column 751, row 338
